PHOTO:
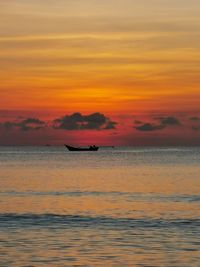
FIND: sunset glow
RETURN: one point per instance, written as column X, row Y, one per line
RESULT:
column 128, row 60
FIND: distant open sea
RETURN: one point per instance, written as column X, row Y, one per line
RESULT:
column 121, row 206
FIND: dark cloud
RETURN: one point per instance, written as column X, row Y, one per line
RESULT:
column 33, row 121
column 138, row 122
column 7, row 125
column 30, row 124
column 24, row 125
column 77, row 121
column 168, row 121
column 149, row 127
column 196, row 128
column 110, row 125
column 163, row 123
column 194, row 119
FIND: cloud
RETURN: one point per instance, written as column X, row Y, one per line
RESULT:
column 196, row 128
column 194, row 119
column 110, row 125
column 138, row 122
column 77, row 121
column 163, row 123
column 24, row 125
column 7, row 125
column 169, row 121
column 33, row 121
column 149, row 127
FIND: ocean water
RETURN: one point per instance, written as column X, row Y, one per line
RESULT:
column 115, row 207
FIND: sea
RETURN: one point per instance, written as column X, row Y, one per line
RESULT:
column 122, row 206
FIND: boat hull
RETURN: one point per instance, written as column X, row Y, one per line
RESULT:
column 71, row 148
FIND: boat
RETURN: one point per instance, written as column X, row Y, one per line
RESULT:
column 90, row 148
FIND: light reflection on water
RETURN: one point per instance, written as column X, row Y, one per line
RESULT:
column 114, row 207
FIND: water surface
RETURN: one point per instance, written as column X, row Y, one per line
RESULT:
column 115, row 207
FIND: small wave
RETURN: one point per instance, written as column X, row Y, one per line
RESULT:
column 54, row 220
column 130, row 195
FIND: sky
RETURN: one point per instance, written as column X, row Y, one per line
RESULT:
column 109, row 72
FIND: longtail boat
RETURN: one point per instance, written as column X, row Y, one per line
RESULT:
column 90, row 148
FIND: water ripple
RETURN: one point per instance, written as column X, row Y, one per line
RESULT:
column 129, row 195
column 56, row 220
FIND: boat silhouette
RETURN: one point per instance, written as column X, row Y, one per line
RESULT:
column 90, row 148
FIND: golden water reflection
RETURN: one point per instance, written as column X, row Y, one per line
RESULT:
column 71, row 210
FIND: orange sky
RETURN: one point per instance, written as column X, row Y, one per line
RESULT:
column 119, row 58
